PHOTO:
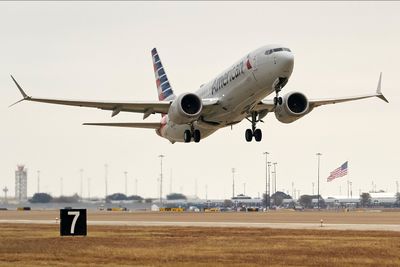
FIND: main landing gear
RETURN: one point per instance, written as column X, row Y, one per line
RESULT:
column 253, row 131
column 189, row 134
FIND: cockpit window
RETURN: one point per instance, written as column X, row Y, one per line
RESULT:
column 270, row 51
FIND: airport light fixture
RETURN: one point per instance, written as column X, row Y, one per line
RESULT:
column 136, row 187
column 275, row 163
column 126, row 183
column 81, row 174
column 266, row 177
column 106, row 182
column 161, row 176
column 319, row 158
column 5, row 190
column 61, row 186
column 88, row 183
column 38, row 181
column 269, row 183
column 233, row 182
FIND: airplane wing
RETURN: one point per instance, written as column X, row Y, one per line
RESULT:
column 146, row 125
column 141, row 107
column 319, row 102
column 267, row 105
column 147, row 108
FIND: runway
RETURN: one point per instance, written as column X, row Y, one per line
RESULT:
column 357, row 220
column 309, row 226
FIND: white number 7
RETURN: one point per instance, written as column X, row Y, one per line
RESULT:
column 76, row 214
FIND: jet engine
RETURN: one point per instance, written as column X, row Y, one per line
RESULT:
column 294, row 106
column 185, row 109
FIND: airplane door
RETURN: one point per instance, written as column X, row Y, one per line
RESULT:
column 255, row 62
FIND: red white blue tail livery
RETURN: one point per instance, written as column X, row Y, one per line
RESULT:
column 163, row 86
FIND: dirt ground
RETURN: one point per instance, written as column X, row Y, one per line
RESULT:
column 35, row 245
column 329, row 217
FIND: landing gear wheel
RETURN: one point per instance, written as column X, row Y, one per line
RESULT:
column 196, row 136
column 275, row 101
column 257, row 135
column 249, row 135
column 187, row 136
column 280, row 101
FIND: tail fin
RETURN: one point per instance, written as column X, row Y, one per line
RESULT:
column 163, row 86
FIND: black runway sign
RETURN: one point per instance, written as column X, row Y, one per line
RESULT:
column 73, row 222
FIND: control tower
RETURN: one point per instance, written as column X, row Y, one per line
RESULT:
column 21, row 188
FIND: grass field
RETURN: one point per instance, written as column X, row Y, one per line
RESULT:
column 33, row 245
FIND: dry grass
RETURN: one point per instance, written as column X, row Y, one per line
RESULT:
column 33, row 245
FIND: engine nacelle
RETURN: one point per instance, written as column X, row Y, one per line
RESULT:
column 185, row 109
column 294, row 106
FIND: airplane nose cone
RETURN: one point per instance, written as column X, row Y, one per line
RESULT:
column 286, row 62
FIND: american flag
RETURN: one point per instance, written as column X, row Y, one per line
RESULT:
column 339, row 172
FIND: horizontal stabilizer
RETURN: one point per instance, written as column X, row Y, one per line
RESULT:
column 146, row 125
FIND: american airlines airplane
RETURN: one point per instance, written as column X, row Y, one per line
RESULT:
column 237, row 93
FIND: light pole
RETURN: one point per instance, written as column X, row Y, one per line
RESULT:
column 293, row 192
column 244, row 189
column 81, row 172
column 88, row 182
column 266, row 177
column 126, row 183
column 195, row 187
column 61, row 186
column 105, row 180
column 136, row 189
column 275, row 163
column 319, row 157
column 161, row 176
column 313, row 188
column 397, row 187
column 38, row 181
column 269, row 184
column 233, row 182
column 5, row 190
column 351, row 189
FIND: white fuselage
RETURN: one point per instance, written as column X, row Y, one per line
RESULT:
column 238, row 89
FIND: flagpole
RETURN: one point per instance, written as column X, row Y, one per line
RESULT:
column 319, row 156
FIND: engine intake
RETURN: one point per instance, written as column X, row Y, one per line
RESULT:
column 185, row 109
column 294, row 106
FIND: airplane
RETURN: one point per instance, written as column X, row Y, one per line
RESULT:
column 236, row 94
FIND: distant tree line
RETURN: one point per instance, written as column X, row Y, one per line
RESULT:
column 120, row 196
column 276, row 199
column 47, row 198
column 176, row 196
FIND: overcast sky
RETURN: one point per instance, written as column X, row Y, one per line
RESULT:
column 101, row 51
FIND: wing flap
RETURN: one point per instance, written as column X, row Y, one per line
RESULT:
column 144, row 125
column 116, row 107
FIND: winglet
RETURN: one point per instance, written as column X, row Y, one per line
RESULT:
column 378, row 90
column 25, row 96
column 19, row 88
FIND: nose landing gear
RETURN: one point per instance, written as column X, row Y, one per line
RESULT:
column 282, row 81
column 257, row 133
